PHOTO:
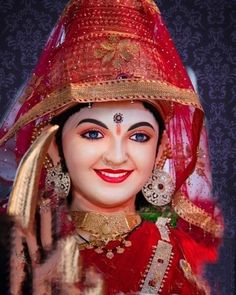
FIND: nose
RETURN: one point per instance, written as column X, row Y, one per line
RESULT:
column 116, row 154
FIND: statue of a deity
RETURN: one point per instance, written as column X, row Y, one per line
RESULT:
column 113, row 190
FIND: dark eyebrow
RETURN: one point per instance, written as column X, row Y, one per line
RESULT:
column 140, row 124
column 94, row 121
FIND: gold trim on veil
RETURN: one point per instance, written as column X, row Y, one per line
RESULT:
column 23, row 198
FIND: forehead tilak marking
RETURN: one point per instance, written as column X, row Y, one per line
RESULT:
column 118, row 118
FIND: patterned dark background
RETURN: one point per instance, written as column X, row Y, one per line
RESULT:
column 205, row 35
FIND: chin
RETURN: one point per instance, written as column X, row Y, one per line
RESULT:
column 109, row 204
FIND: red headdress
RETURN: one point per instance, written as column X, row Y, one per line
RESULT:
column 121, row 50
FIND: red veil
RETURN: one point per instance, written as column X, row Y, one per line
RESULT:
column 121, row 50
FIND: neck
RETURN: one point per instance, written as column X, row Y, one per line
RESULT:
column 80, row 203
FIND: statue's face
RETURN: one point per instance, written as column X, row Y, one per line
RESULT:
column 110, row 151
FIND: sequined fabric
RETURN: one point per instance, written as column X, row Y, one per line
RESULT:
column 120, row 50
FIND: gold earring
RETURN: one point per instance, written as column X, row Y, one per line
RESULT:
column 58, row 180
column 160, row 186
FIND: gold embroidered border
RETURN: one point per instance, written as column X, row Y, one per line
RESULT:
column 195, row 215
column 161, row 224
column 153, row 282
column 190, row 276
column 23, row 198
column 69, row 260
column 95, row 35
column 115, row 90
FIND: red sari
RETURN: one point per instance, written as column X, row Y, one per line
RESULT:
column 152, row 265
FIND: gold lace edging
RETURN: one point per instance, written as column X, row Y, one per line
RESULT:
column 114, row 90
column 195, row 215
column 160, row 264
column 23, row 198
column 114, row 32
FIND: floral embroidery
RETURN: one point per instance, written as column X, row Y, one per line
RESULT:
column 116, row 51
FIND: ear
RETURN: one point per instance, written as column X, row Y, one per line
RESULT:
column 162, row 150
column 53, row 152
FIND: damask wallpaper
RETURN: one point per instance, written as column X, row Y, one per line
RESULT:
column 205, row 35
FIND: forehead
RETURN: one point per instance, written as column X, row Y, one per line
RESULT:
column 132, row 112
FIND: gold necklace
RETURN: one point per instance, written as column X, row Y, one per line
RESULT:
column 105, row 228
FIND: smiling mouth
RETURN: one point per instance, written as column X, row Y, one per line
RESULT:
column 113, row 176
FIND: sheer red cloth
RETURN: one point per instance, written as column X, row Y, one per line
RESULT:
column 123, row 273
column 121, row 50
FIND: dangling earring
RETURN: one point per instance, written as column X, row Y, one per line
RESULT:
column 160, row 187
column 58, row 180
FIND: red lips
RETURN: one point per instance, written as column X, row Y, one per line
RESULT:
column 113, row 176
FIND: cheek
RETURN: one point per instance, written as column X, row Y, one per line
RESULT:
column 145, row 157
column 79, row 153
column 73, row 152
column 147, row 167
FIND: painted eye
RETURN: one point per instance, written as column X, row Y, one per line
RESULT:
column 92, row 134
column 140, row 137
